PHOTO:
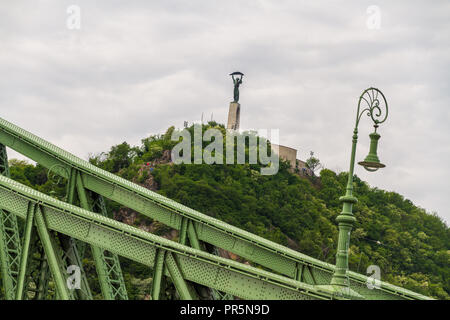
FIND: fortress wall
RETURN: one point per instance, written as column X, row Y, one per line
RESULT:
column 288, row 154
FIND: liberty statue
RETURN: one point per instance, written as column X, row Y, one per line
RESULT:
column 237, row 82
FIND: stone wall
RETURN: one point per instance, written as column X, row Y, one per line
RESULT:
column 286, row 153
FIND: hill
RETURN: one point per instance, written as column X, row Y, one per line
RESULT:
column 410, row 245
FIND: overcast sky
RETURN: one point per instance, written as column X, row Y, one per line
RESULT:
column 134, row 68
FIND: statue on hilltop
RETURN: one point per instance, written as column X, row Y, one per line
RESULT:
column 237, row 82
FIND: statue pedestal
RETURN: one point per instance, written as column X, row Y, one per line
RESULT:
column 234, row 115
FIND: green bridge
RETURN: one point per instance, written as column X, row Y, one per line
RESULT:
column 58, row 233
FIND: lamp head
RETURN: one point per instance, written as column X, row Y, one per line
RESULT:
column 371, row 162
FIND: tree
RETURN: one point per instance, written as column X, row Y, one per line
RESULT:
column 313, row 163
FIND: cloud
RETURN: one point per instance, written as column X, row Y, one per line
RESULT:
column 136, row 68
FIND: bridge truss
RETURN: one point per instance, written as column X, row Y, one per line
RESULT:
column 40, row 237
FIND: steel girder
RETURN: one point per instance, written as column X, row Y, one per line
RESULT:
column 107, row 264
column 182, row 263
column 10, row 246
column 26, row 285
column 199, row 227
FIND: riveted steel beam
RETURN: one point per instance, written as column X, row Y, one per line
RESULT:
column 25, row 250
column 107, row 264
column 158, row 274
column 192, row 265
column 10, row 246
column 52, row 256
column 207, row 229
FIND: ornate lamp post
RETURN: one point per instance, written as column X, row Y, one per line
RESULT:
column 373, row 104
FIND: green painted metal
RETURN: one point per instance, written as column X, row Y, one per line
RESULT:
column 183, row 231
column 10, row 246
column 52, row 256
column 25, row 251
column 70, row 256
column 194, row 265
column 371, row 162
column 34, row 282
column 107, row 264
column 69, row 249
column 177, row 277
column 215, row 294
column 200, row 227
column 10, row 249
column 345, row 219
column 38, row 277
column 158, row 274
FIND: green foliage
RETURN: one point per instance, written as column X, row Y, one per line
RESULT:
column 411, row 246
column 313, row 163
